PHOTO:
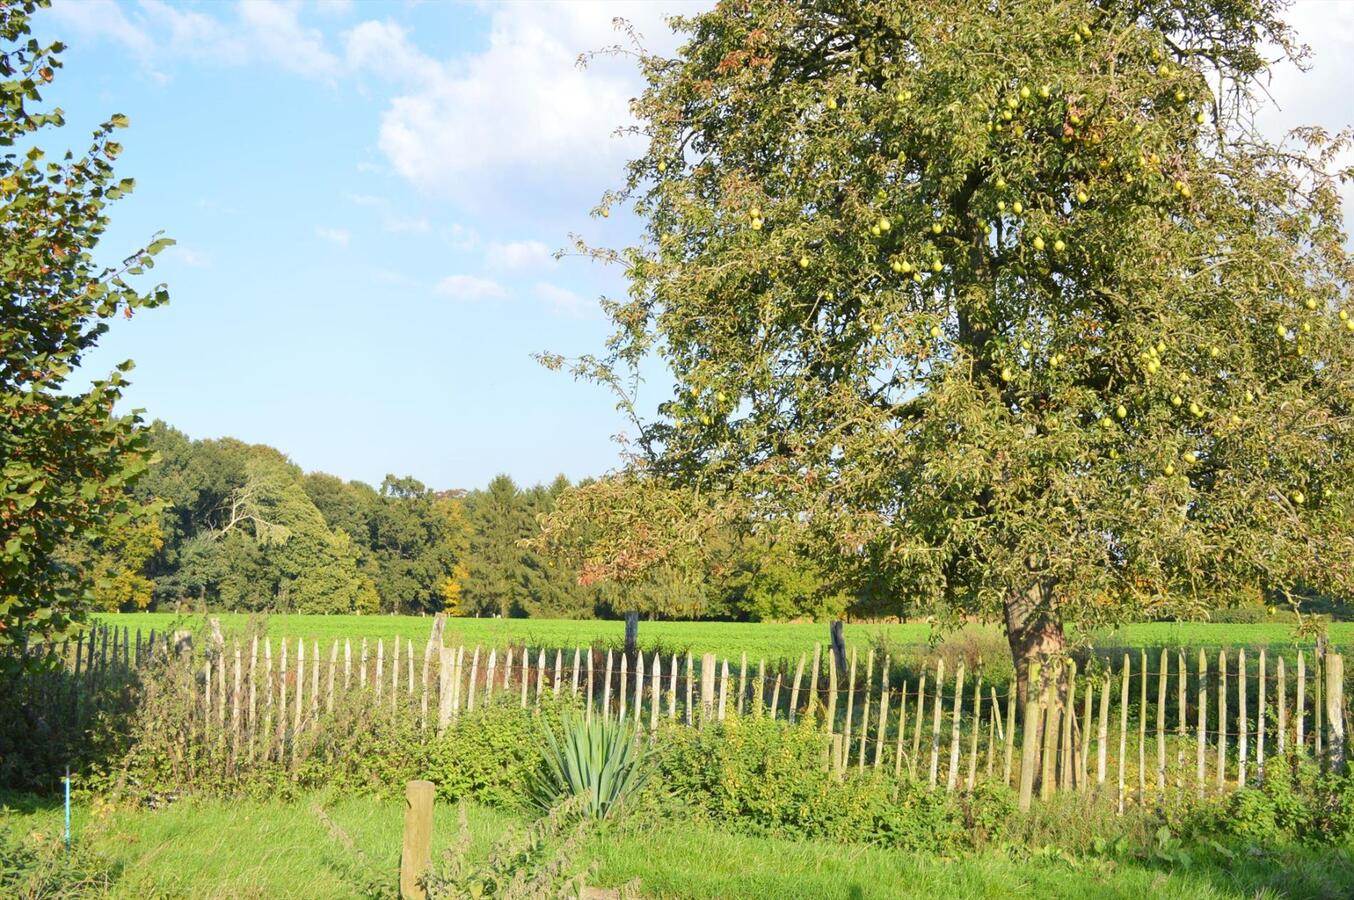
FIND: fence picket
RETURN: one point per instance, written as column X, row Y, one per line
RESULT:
column 1164, row 662
column 1222, row 719
column 865, row 708
column 1300, row 707
column 1202, row 690
column 935, row 722
column 1123, row 728
column 881, row 732
column 953, row 777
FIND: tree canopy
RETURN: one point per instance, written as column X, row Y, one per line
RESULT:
column 1006, row 306
column 65, row 457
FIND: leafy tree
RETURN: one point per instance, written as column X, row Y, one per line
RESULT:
column 65, row 457
column 1006, row 306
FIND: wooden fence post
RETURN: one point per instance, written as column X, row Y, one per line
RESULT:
column 416, row 853
column 865, row 708
column 655, row 691
column 882, row 729
column 1260, row 723
column 1164, row 663
column 707, row 687
column 1052, row 711
column 1029, row 737
column 1203, row 721
column 1335, row 710
column 742, row 682
column 1281, row 684
column 850, row 704
column 1102, row 735
column 935, row 722
column 1011, row 704
column 953, row 776
column 1222, row 719
column 1241, row 717
column 1123, row 727
column 1299, row 707
column 794, row 690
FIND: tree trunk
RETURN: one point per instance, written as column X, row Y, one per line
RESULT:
column 1033, row 629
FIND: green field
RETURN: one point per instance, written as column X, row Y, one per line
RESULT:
column 727, row 639
column 216, row 849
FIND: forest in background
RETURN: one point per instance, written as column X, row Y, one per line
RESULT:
column 239, row 527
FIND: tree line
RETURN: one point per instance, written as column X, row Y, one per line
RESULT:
column 240, row 527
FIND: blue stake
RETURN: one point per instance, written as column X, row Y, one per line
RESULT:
column 68, row 808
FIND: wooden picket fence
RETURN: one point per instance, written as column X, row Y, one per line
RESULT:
column 1149, row 726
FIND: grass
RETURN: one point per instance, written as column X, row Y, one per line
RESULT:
column 727, row 639
column 273, row 849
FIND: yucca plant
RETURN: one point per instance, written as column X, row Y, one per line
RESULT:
column 597, row 760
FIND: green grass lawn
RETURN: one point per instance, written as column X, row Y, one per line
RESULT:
column 212, row 849
column 727, row 639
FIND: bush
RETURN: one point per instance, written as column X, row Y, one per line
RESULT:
column 38, row 866
column 765, row 777
column 492, row 755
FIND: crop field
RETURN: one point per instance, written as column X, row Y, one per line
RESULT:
column 726, row 639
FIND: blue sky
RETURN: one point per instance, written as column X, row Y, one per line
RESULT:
column 366, row 197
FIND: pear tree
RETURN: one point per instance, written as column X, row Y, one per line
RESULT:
column 1009, row 306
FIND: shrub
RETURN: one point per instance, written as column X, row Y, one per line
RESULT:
column 38, row 866
column 762, row 776
column 491, row 755
column 598, row 761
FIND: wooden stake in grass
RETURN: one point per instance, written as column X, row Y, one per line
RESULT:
column 775, row 697
column 902, row 721
column 590, row 684
column 416, row 852
column 252, row 722
column 1142, row 733
column 362, row 672
column 1222, row 719
column 672, row 689
column 1069, row 724
column 850, row 702
column 1011, row 702
column 690, row 685
column 865, row 708
column 973, row 737
column 723, row 688
column 1123, row 728
column 470, row 685
column 920, row 718
column 655, row 691
column 606, row 689
column 882, row 731
column 935, row 722
column 1182, row 727
column 1164, row 661
column 742, row 682
column 380, row 667
column 1029, row 749
column 1260, row 722
column 794, row 690
column 953, row 777
column 1300, row 706
column 490, row 671
column 1335, row 711
column 1102, row 737
column 1241, row 717
column 559, row 669
column 1084, row 761
column 813, row 676
column 300, row 684
column 1203, row 721
column 333, row 672
column 1051, row 703
column 620, row 707
column 830, row 717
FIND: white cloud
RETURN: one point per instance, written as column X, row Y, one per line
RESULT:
column 262, row 32
column 333, row 7
column 194, row 259
column 407, row 226
column 563, row 301
column 279, row 35
column 340, row 236
column 520, row 114
column 101, row 18
column 470, row 288
column 518, row 255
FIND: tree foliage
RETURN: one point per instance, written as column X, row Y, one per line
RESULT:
column 65, row 457
column 1005, row 306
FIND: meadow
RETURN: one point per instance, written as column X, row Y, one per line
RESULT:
column 251, row 848
column 726, row 639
